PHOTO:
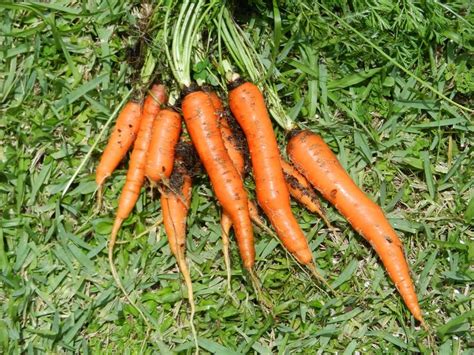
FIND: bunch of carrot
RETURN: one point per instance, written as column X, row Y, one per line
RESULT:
column 224, row 141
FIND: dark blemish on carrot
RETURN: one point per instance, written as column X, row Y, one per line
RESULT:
column 333, row 194
column 293, row 133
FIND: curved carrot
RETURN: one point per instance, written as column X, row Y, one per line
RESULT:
column 120, row 141
column 301, row 190
column 202, row 124
column 315, row 160
column 160, row 156
column 175, row 203
column 136, row 169
column 248, row 107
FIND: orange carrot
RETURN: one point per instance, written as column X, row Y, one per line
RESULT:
column 315, row 160
column 248, row 107
column 175, row 203
column 232, row 135
column 234, row 142
column 120, row 141
column 136, row 170
column 201, row 118
column 160, row 156
column 175, row 211
column 236, row 155
column 302, row 191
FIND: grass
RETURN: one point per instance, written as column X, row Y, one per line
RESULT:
column 63, row 72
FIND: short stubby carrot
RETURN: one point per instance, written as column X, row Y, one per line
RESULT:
column 166, row 130
column 301, row 190
column 120, row 141
column 201, row 120
column 248, row 107
column 315, row 160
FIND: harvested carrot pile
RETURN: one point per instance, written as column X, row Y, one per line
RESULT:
column 223, row 125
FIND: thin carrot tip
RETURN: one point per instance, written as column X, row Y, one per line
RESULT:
column 424, row 325
column 267, row 306
column 100, row 195
column 320, row 277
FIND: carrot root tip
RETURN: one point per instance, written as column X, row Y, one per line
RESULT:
column 225, row 251
column 320, row 277
column 100, row 196
column 183, row 266
column 113, row 237
column 424, row 325
column 266, row 304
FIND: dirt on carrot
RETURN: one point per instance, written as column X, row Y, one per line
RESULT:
column 201, row 118
column 315, row 160
column 249, row 109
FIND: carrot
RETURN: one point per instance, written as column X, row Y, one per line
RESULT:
column 315, row 160
column 226, row 221
column 120, row 141
column 175, row 203
column 160, row 156
column 248, row 107
column 237, row 158
column 136, row 170
column 201, row 120
column 234, row 142
column 301, row 190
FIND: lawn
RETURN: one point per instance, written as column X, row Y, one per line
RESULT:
column 389, row 85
